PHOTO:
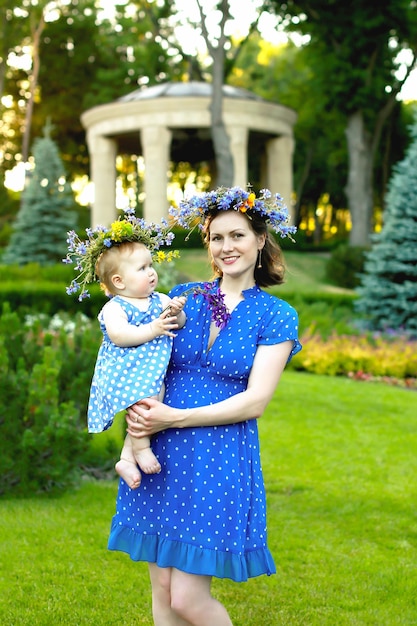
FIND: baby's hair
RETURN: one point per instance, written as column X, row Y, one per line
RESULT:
column 108, row 264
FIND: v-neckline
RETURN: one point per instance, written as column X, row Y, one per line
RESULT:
column 209, row 345
column 214, row 332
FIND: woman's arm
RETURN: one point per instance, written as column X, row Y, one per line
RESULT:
column 151, row 416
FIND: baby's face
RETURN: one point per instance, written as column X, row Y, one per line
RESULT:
column 137, row 272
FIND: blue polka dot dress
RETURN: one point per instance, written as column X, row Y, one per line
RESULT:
column 204, row 513
column 123, row 376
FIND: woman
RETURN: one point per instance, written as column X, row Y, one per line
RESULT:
column 204, row 514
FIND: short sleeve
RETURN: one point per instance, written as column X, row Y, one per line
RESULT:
column 280, row 323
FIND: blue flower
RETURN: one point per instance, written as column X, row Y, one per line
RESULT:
column 192, row 212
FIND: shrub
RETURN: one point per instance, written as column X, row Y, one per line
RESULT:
column 388, row 293
column 377, row 355
column 34, row 287
column 45, row 375
column 328, row 312
column 52, row 441
column 344, row 266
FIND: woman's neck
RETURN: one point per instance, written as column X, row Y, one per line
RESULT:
column 235, row 286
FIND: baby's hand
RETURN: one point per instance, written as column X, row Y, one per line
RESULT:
column 172, row 317
column 165, row 324
column 177, row 304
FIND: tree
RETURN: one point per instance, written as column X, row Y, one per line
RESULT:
column 21, row 35
column 13, row 30
column 37, row 24
column 223, row 52
column 388, row 293
column 356, row 54
column 11, row 33
column 279, row 73
column 39, row 231
column 220, row 138
column 84, row 61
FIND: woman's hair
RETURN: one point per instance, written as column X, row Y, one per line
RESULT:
column 108, row 263
column 273, row 269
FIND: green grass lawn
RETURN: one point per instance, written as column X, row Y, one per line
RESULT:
column 305, row 275
column 340, row 461
column 305, row 270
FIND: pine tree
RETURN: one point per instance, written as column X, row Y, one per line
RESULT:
column 388, row 290
column 40, row 230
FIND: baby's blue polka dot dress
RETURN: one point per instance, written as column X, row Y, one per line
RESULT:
column 123, row 376
column 204, row 513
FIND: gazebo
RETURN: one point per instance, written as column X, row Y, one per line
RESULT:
column 171, row 122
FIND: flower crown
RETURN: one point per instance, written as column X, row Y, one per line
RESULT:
column 193, row 211
column 85, row 254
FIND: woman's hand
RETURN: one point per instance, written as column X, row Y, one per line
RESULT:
column 149, row 417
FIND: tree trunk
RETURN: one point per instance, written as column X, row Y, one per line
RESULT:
column 2, row 78
column 359, row 184
column 300, row 186
column 36, row 31
column 220, row 138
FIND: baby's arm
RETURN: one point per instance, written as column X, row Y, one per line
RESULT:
column 128, row 335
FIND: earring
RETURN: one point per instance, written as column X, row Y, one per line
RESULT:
column 259, row 264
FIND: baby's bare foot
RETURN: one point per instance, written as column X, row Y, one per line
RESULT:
column 147, row 461
column 129, row 472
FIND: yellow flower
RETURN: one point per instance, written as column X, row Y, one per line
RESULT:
column 160, row 256
column 172, row 254
column 166, row 257
column 248, row 204
column 120, row 230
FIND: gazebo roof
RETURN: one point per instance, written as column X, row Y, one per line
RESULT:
column 171, row 122
column 182, row 107
column 192, row 89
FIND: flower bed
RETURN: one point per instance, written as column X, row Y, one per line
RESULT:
column 378, row 357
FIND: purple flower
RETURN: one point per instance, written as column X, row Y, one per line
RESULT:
column 214, row 298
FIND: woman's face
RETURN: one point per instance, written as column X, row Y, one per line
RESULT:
column 233, row 244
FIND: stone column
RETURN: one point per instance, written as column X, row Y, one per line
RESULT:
column 103, row 153
column 238, row 136
column 279, row 153
column 156, row 144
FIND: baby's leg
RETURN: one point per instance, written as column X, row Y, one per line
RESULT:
column 144, row 456
column 127, row 467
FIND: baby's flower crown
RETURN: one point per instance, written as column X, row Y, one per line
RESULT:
column 192, row 212
column 85, row 254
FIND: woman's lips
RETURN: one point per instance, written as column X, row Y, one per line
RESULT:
column 228, row 260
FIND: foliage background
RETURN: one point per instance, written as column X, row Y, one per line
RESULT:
column 87, row 60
